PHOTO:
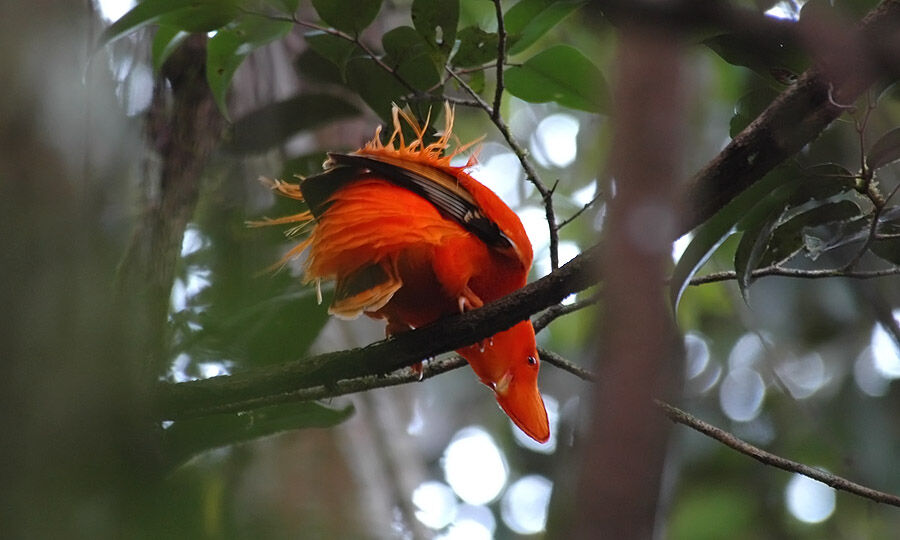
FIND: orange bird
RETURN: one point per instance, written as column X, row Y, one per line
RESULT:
column 409, row 238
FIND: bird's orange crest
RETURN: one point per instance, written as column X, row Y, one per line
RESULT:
column 433, row 154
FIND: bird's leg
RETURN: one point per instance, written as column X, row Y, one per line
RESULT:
column 394, row 328
column 468, row 301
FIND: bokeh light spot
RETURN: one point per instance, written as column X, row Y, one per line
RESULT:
column 741, row 394
column 112, row 10
column 555, row 140
column 472, row 523
column 808, row 500
column 525, row 503
column 474, row 466
column 885, row 352
column 435, row 504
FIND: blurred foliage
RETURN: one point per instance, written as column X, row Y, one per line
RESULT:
column 75, row 355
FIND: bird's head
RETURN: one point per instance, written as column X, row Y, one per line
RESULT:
column 508, row 363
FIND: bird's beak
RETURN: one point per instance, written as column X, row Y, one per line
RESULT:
column 522, row 402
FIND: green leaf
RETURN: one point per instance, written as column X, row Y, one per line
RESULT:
column 748, row 107
column 436, row 21
column 229, row 47
column 710, row 235
column 822, row 182
column 476, row 81
column 817, row 183
column 222, row 61
column 476, row 47
column 561, row 74
column 528, row 20
column 313, row 66
column 409, row 55
column 374, row 85
column 202, row 15
column 885, row 150
column 787, row 240
column 888, row 249
column 275, row 123
column 187, row 438
column 351, row 17
column 778, row 59
column 337, row 50
column 757, row 226
column 142, row 14
column 286, row 6
column 165, row 42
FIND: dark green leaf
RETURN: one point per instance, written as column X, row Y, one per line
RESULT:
column 817, row 183
column 778, row 59
column 187, row 438
column 788, row 240
column 150, row 11
column 286, row 6
column 757, row 226
column 409, row 55
column 351, row 17
column 166, row 40
column 885, row 150
column 313, row 66
column 202, row 15
column 528, row 20
column 436, row 21
column 709, row 236
column 748, row 107
column 275, row 123
column 377, row 88
column 888, row 249
column 222, row 60
column 403, row 43
column 337, row 50
column 561, row 74
column 476, row 47
column 476, row 81
column 229, row 47
column 822, row 182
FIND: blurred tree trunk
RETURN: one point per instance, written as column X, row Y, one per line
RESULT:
column 183, row 127
column 640, row 359
column 74, row 454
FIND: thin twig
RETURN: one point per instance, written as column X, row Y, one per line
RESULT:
column 501, row 58
column 554, row 312
column 797, row 273
column 556, row 360
column 580, row 211
column 530, row 173
column 880, row 203
column 681, row 417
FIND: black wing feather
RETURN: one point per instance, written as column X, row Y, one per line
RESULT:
column 445, row 200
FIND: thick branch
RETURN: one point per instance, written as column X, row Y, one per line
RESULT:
column 239, row 391
column 184, row 133
column 795, row 118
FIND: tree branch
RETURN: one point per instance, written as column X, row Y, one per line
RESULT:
column 501, row 59
column 797, row 273
column 796, row 117
column 768, row 458
column 281, row 383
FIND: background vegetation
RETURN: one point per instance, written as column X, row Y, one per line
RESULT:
column 762, row 135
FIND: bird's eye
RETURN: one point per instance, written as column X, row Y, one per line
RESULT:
column 532, row 361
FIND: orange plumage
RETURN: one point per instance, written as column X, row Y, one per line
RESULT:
column 409, row 238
